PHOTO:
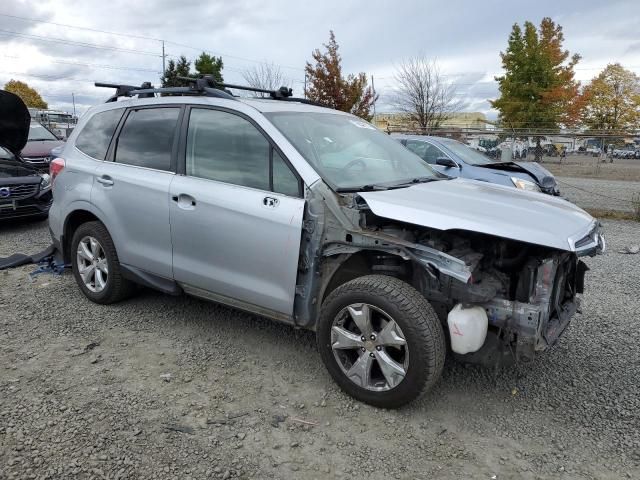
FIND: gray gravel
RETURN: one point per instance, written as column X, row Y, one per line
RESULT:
column 164, row 387
column 599, row 193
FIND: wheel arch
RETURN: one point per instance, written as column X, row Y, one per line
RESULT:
column 341, row 269
column 76, row 218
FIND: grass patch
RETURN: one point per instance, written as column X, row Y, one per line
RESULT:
column 612, row 214
column 635, row 204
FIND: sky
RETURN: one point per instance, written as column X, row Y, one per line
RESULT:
column 39, row 46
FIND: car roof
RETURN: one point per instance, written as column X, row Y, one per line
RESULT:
column 263, row 105
column 419, row 137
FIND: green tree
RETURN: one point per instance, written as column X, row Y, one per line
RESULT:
column 29, row 96
column 328, row 86
column 612, row 100
column 538, row 89
column 174, row 70
column 207, row 64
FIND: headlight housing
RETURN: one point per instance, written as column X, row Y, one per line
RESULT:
column 46, row 181
column 525, row 185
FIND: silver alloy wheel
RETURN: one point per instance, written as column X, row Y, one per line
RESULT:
column 92, row 264
column 369, row 347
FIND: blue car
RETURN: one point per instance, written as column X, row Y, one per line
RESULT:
column 455, row 159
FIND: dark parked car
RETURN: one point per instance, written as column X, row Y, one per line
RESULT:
column 37, row 151
column 456, row 159
column 24, row 191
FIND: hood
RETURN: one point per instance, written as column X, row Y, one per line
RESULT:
column 40, row 148
column 14, row 122
column 540, row 174
column 544, row 177
column 486, row 208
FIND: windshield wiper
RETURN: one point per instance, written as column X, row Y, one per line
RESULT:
column 414, row 181
column 362, row 188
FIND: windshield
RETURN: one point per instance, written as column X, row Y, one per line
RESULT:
column 38, row 132
column 349, row 153
column 467, row 154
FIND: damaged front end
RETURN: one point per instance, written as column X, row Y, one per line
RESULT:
column 528, row 291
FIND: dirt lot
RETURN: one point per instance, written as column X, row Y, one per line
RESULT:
column 585, row 166
column 165, row 387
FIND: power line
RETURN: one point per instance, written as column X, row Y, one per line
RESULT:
column 80, row 44
column 93, row 65
column 146, row 38
column 142, row 37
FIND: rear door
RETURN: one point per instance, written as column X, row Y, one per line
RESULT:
column 236, row 215
column 132, row 189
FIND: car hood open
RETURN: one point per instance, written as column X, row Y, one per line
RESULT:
column 14, row 122
column 486, row 208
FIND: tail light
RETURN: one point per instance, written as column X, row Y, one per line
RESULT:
column 55, row 167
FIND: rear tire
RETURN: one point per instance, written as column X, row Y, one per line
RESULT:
column 97, row 270
column 415, row 365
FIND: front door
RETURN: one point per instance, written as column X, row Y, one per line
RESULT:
column 236, row 216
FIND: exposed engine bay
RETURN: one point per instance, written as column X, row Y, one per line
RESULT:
column 528, row 292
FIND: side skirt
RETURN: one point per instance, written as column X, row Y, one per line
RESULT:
column 235, row 303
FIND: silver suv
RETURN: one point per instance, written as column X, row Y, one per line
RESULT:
column 315, row 218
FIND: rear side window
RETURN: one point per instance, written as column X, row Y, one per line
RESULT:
column 96, row 135
column 146, row 139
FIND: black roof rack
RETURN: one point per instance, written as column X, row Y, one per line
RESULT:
column 204, row 85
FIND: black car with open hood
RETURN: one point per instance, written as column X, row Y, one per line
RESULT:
column 23, row 191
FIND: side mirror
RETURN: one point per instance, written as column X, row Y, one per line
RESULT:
column 446, row 162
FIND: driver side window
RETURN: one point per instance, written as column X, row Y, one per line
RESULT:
column 428, row 152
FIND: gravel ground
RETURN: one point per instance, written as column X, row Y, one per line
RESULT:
column 599, row 194
column 173, row 387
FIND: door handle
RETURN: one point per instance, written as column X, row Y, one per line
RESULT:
column 184, row 201
column 270, row 202
column 105, row 180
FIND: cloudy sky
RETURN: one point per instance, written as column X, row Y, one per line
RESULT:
column 39, row 46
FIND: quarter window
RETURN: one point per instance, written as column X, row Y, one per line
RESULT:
column 146, row 139
column 284, row 180
column 96, row 135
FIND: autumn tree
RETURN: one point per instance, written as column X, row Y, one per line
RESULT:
column 174, row 70
column 538, row 89
column 207, row 64
column 422, row 93
column 328, row 87
column 29, row 96
column 266, row 76
column 612, row 100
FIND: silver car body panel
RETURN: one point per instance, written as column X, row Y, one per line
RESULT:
column 135, row 207
column 234, row 244
column 486, row 208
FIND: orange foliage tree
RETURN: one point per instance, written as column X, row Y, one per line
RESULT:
column 328, row 86
column 538, row 89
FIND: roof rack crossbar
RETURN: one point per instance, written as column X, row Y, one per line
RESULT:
column 208, row 81
column 203, row 85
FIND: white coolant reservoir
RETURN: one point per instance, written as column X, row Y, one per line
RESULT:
column 468, row 328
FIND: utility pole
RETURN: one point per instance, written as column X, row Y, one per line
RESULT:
column 305, row 85
column 164, row 56
column 373, row 87
column 73, row 99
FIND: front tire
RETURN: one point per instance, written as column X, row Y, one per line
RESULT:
column 381, row 341
column 95, row 265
